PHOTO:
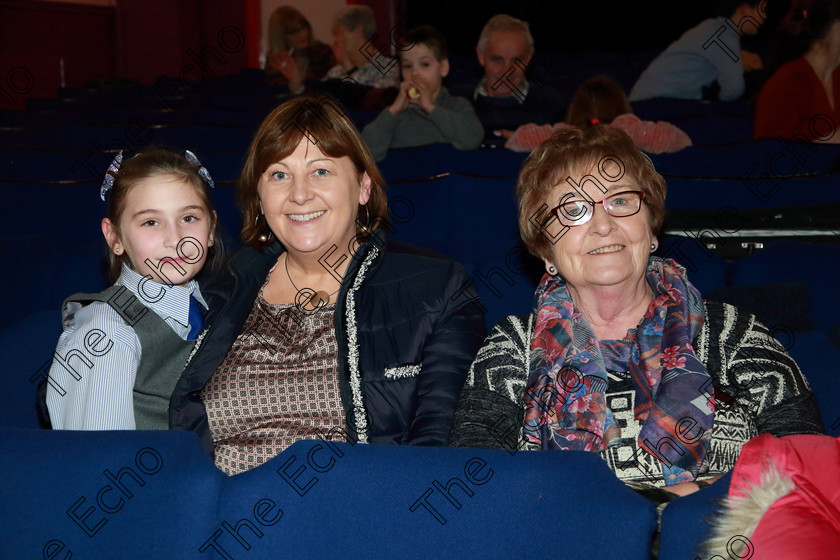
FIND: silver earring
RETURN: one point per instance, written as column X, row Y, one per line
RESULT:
column 652, row 247
column 552, row 270
column 264, row 238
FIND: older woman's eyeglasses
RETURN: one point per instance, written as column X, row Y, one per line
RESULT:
column 620, row 205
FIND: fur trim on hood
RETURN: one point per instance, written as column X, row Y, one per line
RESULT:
column 741, row 514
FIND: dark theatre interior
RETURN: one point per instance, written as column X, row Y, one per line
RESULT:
column 753, row 220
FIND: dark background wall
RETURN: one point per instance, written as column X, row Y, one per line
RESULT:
column 568, row 25
column 133, row 40
column 36, row 36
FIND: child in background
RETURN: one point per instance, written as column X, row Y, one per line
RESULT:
column 116, row 363
column 424, row 112
column 601, row 100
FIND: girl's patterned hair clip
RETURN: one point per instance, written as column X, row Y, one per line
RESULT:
column 202, row 171
column 114, row 169
column 110, row 175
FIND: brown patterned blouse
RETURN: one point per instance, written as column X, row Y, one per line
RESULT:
column 277, row 384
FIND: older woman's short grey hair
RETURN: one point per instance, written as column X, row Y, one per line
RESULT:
column 352, row 17
column 504, row 22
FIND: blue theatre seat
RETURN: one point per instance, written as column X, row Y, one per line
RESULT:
column 35, row 165
column 224, row 166
column 474, row 221
column 200, row 138
column 33, row 118
column 705, row 269
column 223, row 199
column 685, row 523
column 686, row 193
column 819, row 360
column 751, row 159
column 58, row 209
column 421, row 211
column 423, row 162
column 227, row 117
column 472, row 213
column 817, row 265
column 667, row 109
column 26, row 350
column 50, row 274
column 715, row 129
column 231, row 98
column 506, row 282
column 29, row 165
column 317, row 499
column 412, row 164
column 362, row 117
column 161, row 492
column 66, row 136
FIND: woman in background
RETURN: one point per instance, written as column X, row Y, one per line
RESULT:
column 294, row 55
column 801, row 101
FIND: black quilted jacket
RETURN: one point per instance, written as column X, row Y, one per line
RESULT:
column 408, row 325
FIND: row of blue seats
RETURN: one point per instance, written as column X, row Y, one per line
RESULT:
column 564, row 71
column 81, row 152
column 470, row 218
column 44, row 167
column 56, row 265
column 113, row 117
column 19, row 127
column 188, row 112
column 754, row 163
column 139, row 495
column 256, row 95
column 558, row 70
column 709, row 130
column 704, row 124
column 773, row 158
column 89, row 141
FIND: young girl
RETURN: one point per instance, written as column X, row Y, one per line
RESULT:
column 600, row 100
column 122, row 350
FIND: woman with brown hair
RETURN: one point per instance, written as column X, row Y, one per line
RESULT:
column 621, row 354
column 322, row 325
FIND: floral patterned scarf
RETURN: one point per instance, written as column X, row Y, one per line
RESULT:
column 565, row 396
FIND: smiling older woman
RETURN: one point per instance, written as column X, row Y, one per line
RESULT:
column 621, row 355
column 321, row 326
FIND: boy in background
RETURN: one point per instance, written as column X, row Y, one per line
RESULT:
column 424, row 112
